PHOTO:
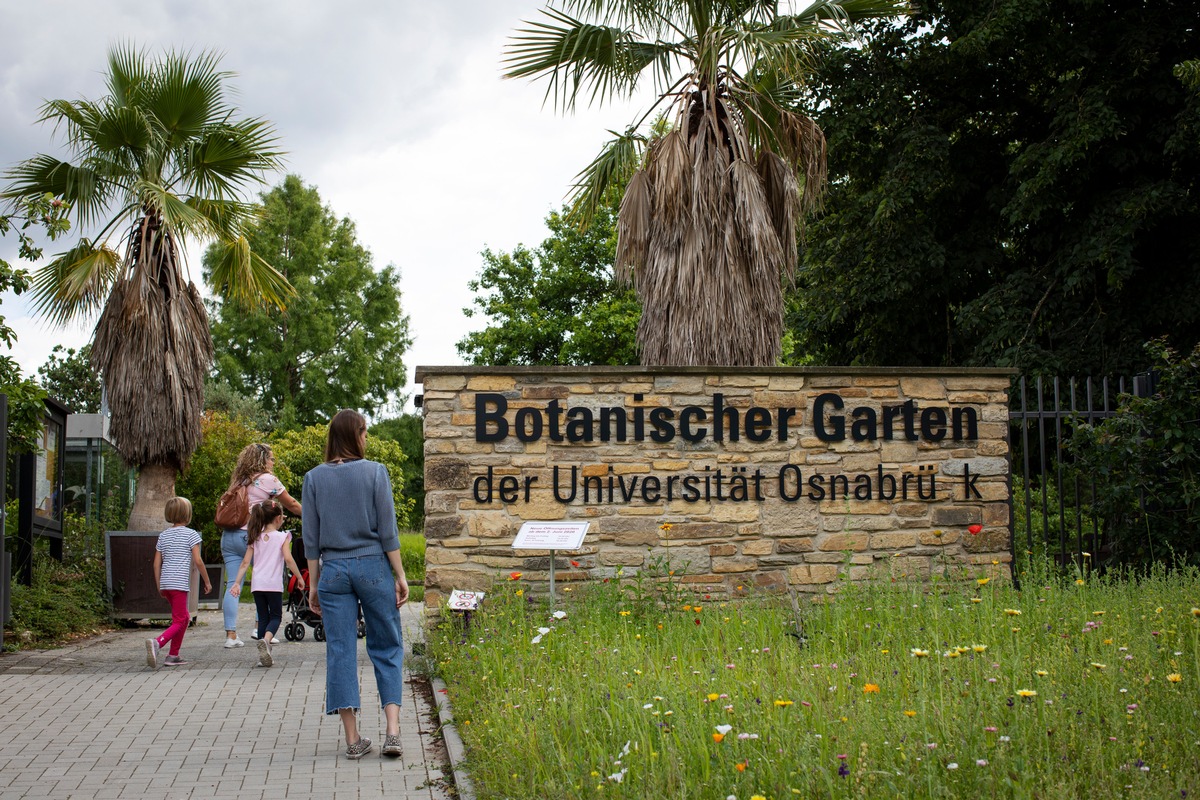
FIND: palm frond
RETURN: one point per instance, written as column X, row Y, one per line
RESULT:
column 227, row 218
column 123, row 130
column 128, row 71
column 87, row 192
column 781, row 191
column 245, row 278
column 75, row 283
column 574, row 56
column 839, row 15
column 227, row 158
column 617, row 161
column 781, row 49
column 186, row 96
column 177, row 215
column 633, row 227
column 647, row 15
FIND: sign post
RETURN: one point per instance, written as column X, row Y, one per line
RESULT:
column 551, row 536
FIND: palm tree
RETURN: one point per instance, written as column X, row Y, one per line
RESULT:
column 156, row 161
column 708, row 223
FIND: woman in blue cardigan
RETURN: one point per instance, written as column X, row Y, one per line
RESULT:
column 353, row 549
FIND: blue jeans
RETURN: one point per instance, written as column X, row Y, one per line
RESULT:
column 345, row 583
column 233, row 550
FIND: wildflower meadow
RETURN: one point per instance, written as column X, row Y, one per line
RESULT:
column 639, row 686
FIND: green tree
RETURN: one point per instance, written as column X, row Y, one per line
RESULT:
column 408, row 430
column 220, row 396
column 207, row 477
column 159, row 159
column 297, row 451
column 557, row 304
column 69, row 378
column 708, row 222
column 1012, row 183
column 26, row 398
column 340, row 343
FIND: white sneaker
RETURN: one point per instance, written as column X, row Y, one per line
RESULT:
column 254, row 634
column 234, row 642
column 264, row 653
column 152, row 653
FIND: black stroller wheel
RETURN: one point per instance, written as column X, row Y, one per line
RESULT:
column 299, row 632
column 319, row 632
column 287, row 632
column 362, row 629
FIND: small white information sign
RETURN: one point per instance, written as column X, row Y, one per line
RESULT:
column 550, row 536
column 464, row 601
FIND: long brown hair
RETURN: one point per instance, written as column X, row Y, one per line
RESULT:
column 261, row 515
column 345, row 435
column 251, row 462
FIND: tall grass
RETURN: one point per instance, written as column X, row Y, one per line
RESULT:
column 886, row 689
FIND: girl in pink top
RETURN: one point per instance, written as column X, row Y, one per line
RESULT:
column 268, row 548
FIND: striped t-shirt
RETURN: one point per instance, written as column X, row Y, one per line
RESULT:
column 176, row 545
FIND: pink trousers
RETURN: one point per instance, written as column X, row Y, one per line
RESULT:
column 179, row 621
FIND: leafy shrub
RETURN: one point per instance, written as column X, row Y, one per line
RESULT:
column 65, row 599
column 1146, row 461
column 1042, row 534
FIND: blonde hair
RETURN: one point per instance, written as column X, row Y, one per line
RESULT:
column 178, row 511
column 251, row 462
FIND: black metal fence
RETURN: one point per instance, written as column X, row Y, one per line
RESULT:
column 1051, row 502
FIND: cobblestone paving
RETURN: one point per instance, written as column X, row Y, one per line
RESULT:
column 92, row 720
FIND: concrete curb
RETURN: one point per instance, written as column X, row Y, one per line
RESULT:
column 454, row 743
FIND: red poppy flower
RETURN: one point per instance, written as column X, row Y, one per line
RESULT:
column 975, row 529
column 574, row 563
column 514, row 576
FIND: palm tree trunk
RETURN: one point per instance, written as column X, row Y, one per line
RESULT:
column 155, row 486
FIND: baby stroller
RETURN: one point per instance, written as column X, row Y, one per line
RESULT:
column 301, row 610
column 302, row 613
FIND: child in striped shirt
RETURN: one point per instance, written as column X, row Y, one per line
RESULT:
column 178, row 550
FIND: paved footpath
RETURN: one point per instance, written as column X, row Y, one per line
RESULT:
column 92, row 720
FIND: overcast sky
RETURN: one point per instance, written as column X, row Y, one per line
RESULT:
column 395, row 111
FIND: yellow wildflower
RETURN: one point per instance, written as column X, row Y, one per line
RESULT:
column 1041, row 673
column 919, row 653
column 979, row 648
column 871, row 688
column 1026, row 693
column 783, row 703
column 1175, row 677
column 1013, row 612
column 910, row 713
column 1099, row 666
column 983, row 581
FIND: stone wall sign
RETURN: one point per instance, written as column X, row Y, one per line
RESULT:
column 772, row 477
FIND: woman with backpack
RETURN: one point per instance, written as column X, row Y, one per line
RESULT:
column 254, row 474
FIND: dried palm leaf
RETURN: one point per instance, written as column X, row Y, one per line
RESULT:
column 633, row 227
